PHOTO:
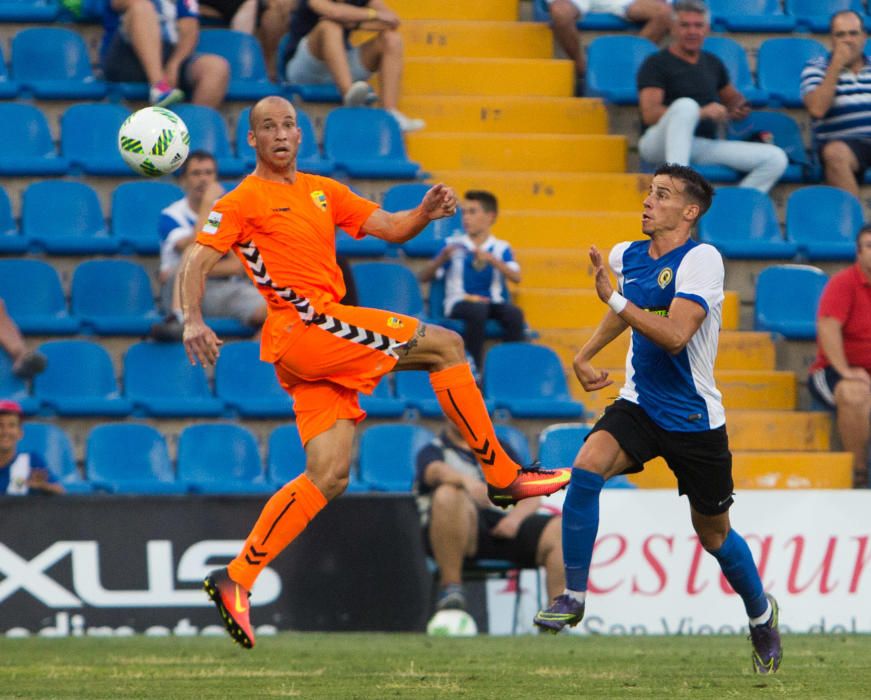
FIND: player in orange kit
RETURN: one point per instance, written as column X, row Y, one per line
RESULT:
column 281, row 223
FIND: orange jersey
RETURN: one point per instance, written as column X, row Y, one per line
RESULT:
column 285, row 236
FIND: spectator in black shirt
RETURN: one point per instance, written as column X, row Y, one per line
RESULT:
column 686, row 101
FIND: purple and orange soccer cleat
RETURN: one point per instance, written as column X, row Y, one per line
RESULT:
column 564, row 610
column 529, row 482
column 767, row 651
column 231, row 599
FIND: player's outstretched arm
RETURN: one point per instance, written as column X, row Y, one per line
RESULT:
column 401, row 226
column 200, row 341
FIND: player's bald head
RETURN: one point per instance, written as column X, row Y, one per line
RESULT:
column 274, row 106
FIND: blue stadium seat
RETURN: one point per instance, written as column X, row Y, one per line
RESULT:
column 516, row 440
column 388, row 455
column 309, row 158
column 160, row 381
column 248, row 385
column 220, row 458
column 89, row 138
column 787, row 297
column 56, row 448
column 413, row 388
column 136, row 208
column 779, row 65
column 129, row 458
column 388, row 286
column 492, row 328
column 429, row 241
column 64, row 217
column 209, row 133
column 733, row 56
column 813, row 15
column 248, row 79
column 51, row 63
column 367, row 142
column 26, row 143
column 366, row 247
column 28, row 10
column 559, row 444
column 612, row 66
column 11, row 241
column 540, row 391
column 8, row 87
column 381, row 403
column 43, row 307
column 12, row 387
column 113, row 297
column 79, row 380
column 742, row 223
column 785, row 133
column 824, row 221
column 286, row 458
column 749, row 16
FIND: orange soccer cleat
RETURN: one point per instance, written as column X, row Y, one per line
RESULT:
column 529, row 482
column 231, row 599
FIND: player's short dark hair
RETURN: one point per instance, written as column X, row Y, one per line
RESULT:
column 837, row 14
column 864, row 231
column 696, row 188
column 199, row 154
column 488, row 200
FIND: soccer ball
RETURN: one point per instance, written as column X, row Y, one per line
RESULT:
column 154, row 141
column 452, row 623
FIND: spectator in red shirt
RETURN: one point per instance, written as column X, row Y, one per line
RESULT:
column 840, row 377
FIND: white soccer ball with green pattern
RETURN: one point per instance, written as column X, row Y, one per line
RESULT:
column 154, row 141
column 452, row 623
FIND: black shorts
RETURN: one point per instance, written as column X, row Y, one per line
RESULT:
column 701, row 461
column 521, row 550
column 227, row 9
column 861, row 149
column 822, row 383
column 122, row 65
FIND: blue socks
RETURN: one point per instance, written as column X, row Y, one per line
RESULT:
column 740, row 571
column 580, row 525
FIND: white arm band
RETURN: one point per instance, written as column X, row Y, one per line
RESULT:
column 617, row 302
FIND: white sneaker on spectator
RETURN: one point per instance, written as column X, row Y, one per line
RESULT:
column 357, row 95
column 407, row 123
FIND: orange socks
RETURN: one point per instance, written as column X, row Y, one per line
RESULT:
column 463, row 404
column 283, row 517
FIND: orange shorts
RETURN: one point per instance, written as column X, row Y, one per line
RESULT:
column 328, row 363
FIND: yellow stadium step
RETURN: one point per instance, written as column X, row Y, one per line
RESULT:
column 506, row 114
column 778, row 430
column 488, row 76
column 554, row 191
column 768, row 470
column 741, row 389
column 572, row 231
column 581, row 308
column 492, row 10
column 452, row 39
column 555, row 268
column 521, row 152
column 746, row 350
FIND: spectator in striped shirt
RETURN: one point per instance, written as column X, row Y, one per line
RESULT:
column 837, row 93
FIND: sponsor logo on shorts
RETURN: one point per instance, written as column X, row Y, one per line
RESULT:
column 394, row 322
column 664, row 277
column 212, row 222
column 320, row 199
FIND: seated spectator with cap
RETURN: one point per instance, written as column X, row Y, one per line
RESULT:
column 21, row 473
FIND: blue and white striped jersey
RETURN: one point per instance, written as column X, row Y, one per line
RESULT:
column 677, row 391
column 463, row 276
column 849, row 117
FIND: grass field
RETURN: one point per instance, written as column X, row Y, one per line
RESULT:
column 340, row 666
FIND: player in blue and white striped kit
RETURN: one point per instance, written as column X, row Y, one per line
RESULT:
column 671, row 296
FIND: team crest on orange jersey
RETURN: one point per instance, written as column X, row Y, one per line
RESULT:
column 394, row 322
column 320, row 199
